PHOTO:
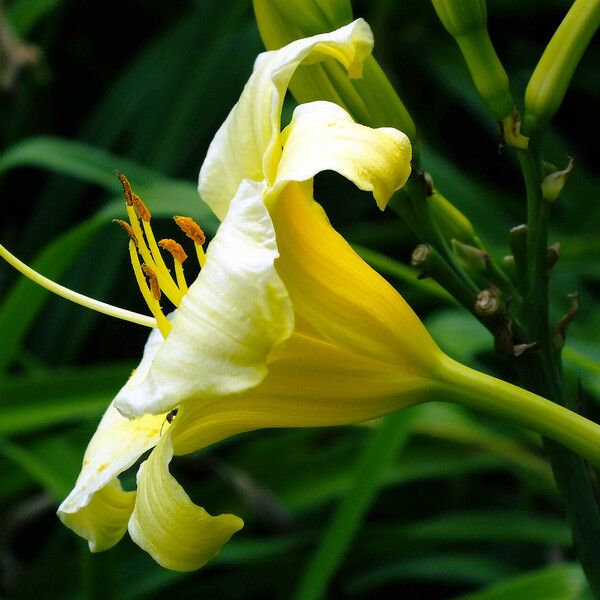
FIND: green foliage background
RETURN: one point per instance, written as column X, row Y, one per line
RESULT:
column 439, row 502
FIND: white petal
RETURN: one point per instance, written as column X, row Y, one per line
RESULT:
column 103, row 521
column 323, row 136
column 232, row 316
column 247, row 146
column 96, row 503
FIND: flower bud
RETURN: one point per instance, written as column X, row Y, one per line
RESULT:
column 552, row 75
column 371, row 100
column 281, row 21
column 452, row 223
column 471, row 258
column 465, row 21
column 461, row 17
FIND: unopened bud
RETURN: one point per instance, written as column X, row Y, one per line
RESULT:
column 452, row 223
column 280, row 20
column 471, row 258
column 517, row 239
column 371, row 99
column 552, row 75
column 461, row 17
column 466, row 21
column 509, row 267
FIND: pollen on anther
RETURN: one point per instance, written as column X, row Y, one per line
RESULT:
column 191, row 229
column 141, row 208
column 126, row 188
column 153, row 279
column 129, row 230
column 175, row 249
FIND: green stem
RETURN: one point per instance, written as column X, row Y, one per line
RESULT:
column 514, row 404
column 541, row 372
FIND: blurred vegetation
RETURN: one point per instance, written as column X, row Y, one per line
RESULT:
column 454, row 505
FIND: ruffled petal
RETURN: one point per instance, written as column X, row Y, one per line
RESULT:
column 232, row 316
column 339, row 295
column 178, row 534
column 247, row 144
column 322, row 136
column 97, row 508
column 103, row 520
column 311, row 383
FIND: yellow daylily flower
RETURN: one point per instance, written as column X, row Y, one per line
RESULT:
column 285, row 326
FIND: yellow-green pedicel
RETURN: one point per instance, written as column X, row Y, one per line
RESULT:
column 284, row 327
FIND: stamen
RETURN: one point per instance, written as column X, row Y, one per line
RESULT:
column 193, row 231
column 127, row 227
column 151, row 275
column 151, row 254
column 126, row 188
column 163, row 323
column 77, row 298
column 165, row 280
column 179, row 257
column 141, row 208
column 175, row 249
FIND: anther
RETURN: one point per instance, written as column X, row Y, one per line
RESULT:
column 191, row 229
column 126, row 188
column 128, row 229
column 175, row 249
column 141, row 208
column 151, row 275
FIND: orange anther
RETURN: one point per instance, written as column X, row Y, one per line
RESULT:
column 141, row 208
column 126, row 188
column 127, row 227
column 175, row 249
column 153, row 279
column 191, row 229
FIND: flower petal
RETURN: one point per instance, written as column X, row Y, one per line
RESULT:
column 311, row 383
column 178, row 534
column 339, row 295
column 247, row 144
column 118, row 442
column 103, row 520
column 232, row 316
column 323, row 136
column 97, row 509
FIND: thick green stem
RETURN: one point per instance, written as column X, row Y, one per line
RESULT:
column 514, row 404
column 541, row 372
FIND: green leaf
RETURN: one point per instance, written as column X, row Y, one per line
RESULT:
column 32, row 403
column 382, row 448
column 563, row 582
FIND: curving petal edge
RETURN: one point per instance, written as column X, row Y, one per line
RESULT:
column 323, row 136
column 178, row 534
column 246, row 146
